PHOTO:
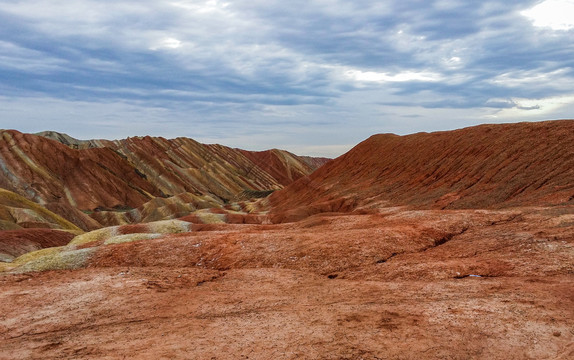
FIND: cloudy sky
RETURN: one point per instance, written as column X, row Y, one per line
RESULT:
column 314, row 77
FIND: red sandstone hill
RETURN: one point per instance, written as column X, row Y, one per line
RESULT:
column 479, row 167
column 282, row 165
column 73, row 178
column 17, row 212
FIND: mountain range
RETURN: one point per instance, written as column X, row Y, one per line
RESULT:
column 97, row 183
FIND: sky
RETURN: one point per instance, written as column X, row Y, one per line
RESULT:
column 314, row 77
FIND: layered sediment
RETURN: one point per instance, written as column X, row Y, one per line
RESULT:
column 451, row 245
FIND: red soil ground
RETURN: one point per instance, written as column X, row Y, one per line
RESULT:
column 396, row 285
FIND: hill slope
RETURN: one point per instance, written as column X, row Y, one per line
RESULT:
column 73, row 177
column 479, row 167
column 17, row 212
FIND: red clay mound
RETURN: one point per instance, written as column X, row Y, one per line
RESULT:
column 14, row 243
column 487, row 166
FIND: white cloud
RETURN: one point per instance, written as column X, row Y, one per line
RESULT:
column 557, row 79
column 167, row 43
column 544, row 108
column 201, row 7
column 382, row 77
column 20, row 58
column 555, row 14
column 80, row 17
column 454, row 62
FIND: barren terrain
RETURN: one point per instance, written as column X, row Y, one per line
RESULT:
column 402, row 285
column 458, row 246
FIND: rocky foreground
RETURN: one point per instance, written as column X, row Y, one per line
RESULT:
column 356, row 268
column 397, row 285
